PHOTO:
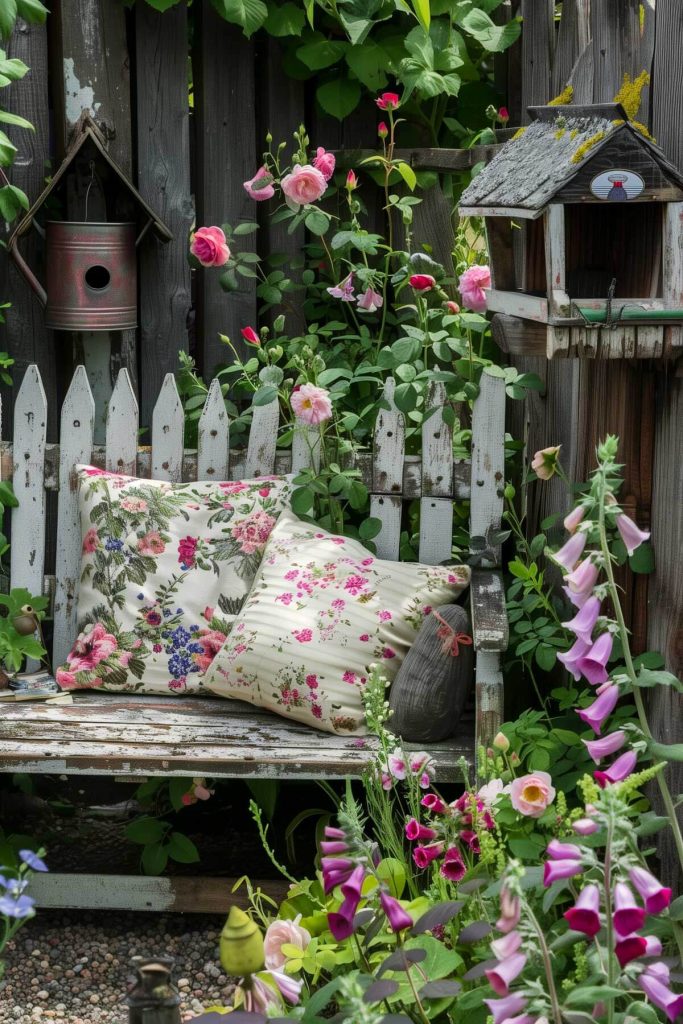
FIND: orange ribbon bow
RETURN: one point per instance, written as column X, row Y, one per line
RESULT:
column 450, row 640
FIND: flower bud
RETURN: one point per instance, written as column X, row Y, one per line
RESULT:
column 279, row 323
column 509, row 492
column 241, row 945
column 382, row 130
column 501, row 742
column 351, row 181
column 275, row 352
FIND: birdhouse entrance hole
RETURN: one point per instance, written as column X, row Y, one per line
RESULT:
column 97, row 277
column 614, row 241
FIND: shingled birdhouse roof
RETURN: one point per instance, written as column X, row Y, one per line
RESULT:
column 563, row 144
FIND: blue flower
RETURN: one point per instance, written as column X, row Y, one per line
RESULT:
column 33, row 860
column 167, row 612
column 141, row 597
column 19, row 908
column 180, row 636
column 193, row 629
column 179, row 611
column 113, row 545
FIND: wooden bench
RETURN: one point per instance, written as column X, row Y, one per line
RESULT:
column 137, row 736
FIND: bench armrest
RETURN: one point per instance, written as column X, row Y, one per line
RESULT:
column 490, row 630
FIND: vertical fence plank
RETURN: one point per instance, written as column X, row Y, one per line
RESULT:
column 262, row 440
column 621, row 47
column 164, row 181
column 538, row 42
column 488, row 460
column 27, row 558
column 91, row 71
column 122, row 428
column 28, row 340
column 168, row 425
column 213, row 446
column 573, row 37
column 388, row 453
column 305, row 448
column 76, row 440
column 436, row 505
column 226, row 157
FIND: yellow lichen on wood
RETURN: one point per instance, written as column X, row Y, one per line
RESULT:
column 641, row 17
column 643, row 129
column 630, row 93
column 586, row 147
column 565, row 97
column 573, row 133
column 560, row 133
column 520, row 131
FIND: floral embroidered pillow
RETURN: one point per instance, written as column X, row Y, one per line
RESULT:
column 165, row 569
column 321, row 610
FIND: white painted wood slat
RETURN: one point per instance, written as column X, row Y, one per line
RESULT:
column 76, row 431
column 436, row 509
column 262, row 440
column 672, row 268
column 168, row 427
column 305, row 448
column 488, row 462
column 387, row 475
column 27, row 561
column 213, row 446
column 122, row 428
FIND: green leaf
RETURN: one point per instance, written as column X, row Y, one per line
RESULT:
column 321, row 54
column 146, row 830
column 154, row 859
column 405, row 397
column 302, row 501
column 32, row 11
column 12, row 201
column 9, row 500
column 490, row 36
column 667, row 751
column 8, row 15
column 248, row 14
column 265, row 792
column 643, row 1012
column 369, row 64
column 182, row 849
column 642, row 560
column 588, row 995
column 369, row 528
column 264, row 395
column 422, row 12
column 7, row 149
column 317, row 222
column 647, row 678
column 676, row 909
column 162, row 5
column 247, row 227
column 287, row 20
column 545, row 657
column 339, row 97
column 566, row 736
column 407, row 173
column 393, row 872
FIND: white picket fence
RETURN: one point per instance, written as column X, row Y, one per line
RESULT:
column 435, row 478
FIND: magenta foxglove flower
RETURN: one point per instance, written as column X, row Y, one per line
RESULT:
column 453, row 866
column 343, row 290
column 607, row 745
column 628, row 916
column 333, row 846
column 510, row 910
column 370, row 301
column 630, row 534
column 414, row 830
column 585, row 826
column 398, row 918
column 656, row 896
column 574, row 518
column 504, row 1009
column 583, row 623
column 553, row 870
column 593, row 664
column 618, row 770
column 569, row 554
column 424, row 855
column 433, row 803
column 596, row 713
column 290, row 988
column 505, row 972
column 570, row 658
column 578, row 600
column 630, row 948
column 653, row 946
column 341, row 922
column 563, row 851
column 584, row 916
column 658, row 993
column 334, row 833
column 507, row 945
column 583, row 578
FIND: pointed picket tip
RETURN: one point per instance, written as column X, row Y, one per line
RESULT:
column 213, row 436
column 168, row 428
column 122, row 427
column 79, row 399
column 31, row 395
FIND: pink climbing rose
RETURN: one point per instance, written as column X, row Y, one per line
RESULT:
column 210, row 247
column 472, row 284
column 531, row 794
column 303, row 185
column 324, row 162
column 260, row 187
column 311, row 404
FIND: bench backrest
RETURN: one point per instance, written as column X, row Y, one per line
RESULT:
column 36, row 467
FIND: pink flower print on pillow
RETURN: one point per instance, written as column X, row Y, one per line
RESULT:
column 91, row 648
column 211, row 641
column 304, row 636
column 253, row 532
column 355, row 585
column 187, row 550
column 91, row 541
column 384, row 616
column 152, row 543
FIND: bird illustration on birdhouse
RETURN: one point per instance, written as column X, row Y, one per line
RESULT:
column 584, row 220
column 90, row 261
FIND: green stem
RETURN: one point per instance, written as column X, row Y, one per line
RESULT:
column 608, row 918
column 667, row 799
column 547, row 964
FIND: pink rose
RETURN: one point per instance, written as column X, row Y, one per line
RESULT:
column 472, row 284
column 134, row 504
column 91, row 541
column 531, row 794
column 211, row 641
column 311, row 404
column 264, row 180
column 388, row 101
column 303, row 185
column 421, row 282
column 210, row 247
column 283, row 933
column 253, row 532
column 325, row 162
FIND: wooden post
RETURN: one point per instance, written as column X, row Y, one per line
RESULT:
column 164, row 181
column 91, row 72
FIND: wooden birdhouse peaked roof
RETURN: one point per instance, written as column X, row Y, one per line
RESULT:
column 557, row 157
column 85, row 133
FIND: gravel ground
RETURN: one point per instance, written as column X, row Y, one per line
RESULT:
column 75, row 967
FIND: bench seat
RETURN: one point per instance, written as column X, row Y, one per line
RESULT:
column 131, row 735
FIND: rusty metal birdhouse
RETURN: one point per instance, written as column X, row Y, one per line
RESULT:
column 584, row 218
column 90, row 260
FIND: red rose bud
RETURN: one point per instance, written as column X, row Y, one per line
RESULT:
column 422, row 282
column 503, row 115
column 250, row 336
column 388, row 101
column 351, row 181
column 382, row 130
column 452, row 307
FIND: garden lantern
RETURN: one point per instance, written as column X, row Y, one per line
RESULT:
column 90, row 263
column 584, row 222
column 153, row 999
